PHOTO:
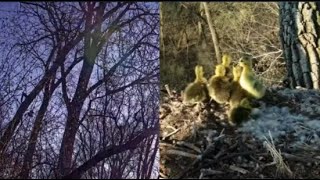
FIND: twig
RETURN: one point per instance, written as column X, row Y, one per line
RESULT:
column 171, row 127
column 163, row 176
column 268, row 53
column 167, row 144
column 189, row 145
column 297, row 158
column 168, row 90
column 170, row 134
column 238, row 169
column 205, row 153
column 182, row 153
column 206, row 172
column 237, row 154
column 219, row 154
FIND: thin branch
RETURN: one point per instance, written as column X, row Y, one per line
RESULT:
column 111, row 150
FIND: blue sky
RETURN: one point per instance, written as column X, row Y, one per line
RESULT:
column 8, row 5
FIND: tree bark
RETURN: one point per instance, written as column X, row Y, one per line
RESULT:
column 299, row 31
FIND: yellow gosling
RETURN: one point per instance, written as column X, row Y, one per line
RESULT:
column 196, row 92
column 237, row 92
column 226, row 61
column 241, row 113
column 249, row 81
column 219, row 85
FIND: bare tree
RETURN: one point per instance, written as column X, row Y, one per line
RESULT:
column 95, row 97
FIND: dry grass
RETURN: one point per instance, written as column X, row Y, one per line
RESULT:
column 282, row 167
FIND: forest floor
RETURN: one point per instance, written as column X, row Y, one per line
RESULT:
column 280, row 141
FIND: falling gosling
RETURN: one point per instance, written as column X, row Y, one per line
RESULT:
column 249, row 81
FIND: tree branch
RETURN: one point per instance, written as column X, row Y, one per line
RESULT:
column 111, row 150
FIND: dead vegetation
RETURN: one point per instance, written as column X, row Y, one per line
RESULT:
column 197, row 142
column 243, row 29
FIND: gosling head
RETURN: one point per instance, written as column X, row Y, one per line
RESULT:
column 226, row 60
column 199, row 74
column 220, row 70
column 245, row 103
column 245, row 62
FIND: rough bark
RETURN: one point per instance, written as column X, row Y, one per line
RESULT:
column 299, row 31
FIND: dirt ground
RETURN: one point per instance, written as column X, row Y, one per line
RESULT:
column 197, row 142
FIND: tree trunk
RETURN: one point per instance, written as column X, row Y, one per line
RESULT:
column 72, row 125
column 66, row 149
column 74, row 107
column 299, row 30
column 153, row 156
column 27, row 163
column 6, row 137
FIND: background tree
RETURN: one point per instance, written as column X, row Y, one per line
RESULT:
column 90, row 72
